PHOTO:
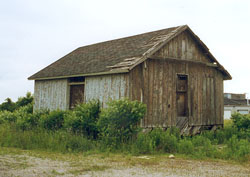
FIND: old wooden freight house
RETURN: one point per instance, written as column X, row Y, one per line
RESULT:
column 170, row 70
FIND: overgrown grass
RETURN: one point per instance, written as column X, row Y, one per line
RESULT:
column 155, row 142
column 115, row 129
column 60, row 141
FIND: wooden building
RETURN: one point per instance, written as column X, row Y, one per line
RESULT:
column 170, row 70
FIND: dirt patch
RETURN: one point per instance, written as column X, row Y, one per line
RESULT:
column 26, row 164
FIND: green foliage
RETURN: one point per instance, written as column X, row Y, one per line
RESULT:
column 23, row 101
column 238, row 149
column 116, row 129
column 11, row 106
column 165, row 141
column 8, row 105
column 11, row 136
column 119, row 121
column 170, row 143
column 83, row 119
column 157, row 140
column 7, row 117
column 241, row 122
column 26, row 119
column 208, row 148
column 198, row 140
column 54, row 120
column 186, row 147
column 143, row 144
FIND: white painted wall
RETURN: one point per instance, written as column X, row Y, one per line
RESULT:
column 229, row 110
column 51, row 94
column 106, row 87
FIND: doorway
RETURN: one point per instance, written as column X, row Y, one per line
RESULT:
column 182, row 101
column 76, row 91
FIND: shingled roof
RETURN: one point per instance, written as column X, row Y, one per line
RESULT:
column 115, row 56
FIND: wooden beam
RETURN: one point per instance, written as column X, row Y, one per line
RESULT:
column 76, row 83
column 185, row 60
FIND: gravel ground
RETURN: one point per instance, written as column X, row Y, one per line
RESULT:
column 29, row 165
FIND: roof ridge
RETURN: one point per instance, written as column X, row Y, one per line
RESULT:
column 115, row 39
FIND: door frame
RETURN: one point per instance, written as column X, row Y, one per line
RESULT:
column 182, row 119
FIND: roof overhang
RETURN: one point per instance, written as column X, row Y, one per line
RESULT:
column 84, row 75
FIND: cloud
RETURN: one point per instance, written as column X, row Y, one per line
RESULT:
column 36, row 33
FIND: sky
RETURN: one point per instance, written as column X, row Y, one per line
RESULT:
column 35, row 33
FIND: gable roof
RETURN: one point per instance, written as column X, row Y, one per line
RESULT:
column 115, row 56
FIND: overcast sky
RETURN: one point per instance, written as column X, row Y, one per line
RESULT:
column 35, row 33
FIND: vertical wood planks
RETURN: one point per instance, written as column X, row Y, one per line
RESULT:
column 106, row 87
column 51, row 94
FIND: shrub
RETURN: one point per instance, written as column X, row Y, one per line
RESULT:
column 83, row 119
column 185, row 147
column 170, row 143
column 23, row 101
column 11, row 106
column 54, row 120
column 119, row 121
column 210, row 135
column 157, row 136
column 241, row 122
column 26, row 119
column 208, row 148
column 8, row 105
column 220, row 136
column 143, row 144
column 164, row 140
column 7, row 117
column 198, row 140
column 238, row 149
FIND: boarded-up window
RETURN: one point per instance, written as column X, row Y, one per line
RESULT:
column 181, row 93
column 76, row 91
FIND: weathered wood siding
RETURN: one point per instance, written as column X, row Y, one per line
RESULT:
column 51, row 94
column 154, row 82
column 106, row 87
column 183, row 47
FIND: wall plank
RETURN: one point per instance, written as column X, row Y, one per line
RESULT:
column 106, row 87
column 51, row 94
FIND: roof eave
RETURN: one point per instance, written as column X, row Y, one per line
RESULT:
column 118, row 71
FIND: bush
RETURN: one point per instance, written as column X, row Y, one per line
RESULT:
column 23, row 101
column 241, row 122
column 119, row 121
column 170, row 143
column 198, row 140
column 83, row 119
column 7, row 117
column 164, row 140
column 53, row 121
column 143, row 144
column 11, row 106
column 185, row 147
column 8, row 105
column 157, row 136
column 238, row 149
column 26, row 119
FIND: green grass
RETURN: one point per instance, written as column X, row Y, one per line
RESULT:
column 227, row 144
